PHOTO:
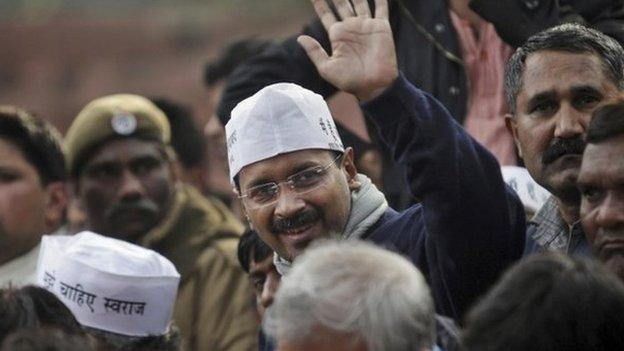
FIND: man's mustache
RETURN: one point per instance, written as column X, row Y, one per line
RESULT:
column 142, row 205
column 298, row 220
column 560, row 147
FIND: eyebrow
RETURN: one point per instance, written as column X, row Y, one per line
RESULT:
column 586, row 89
column 296, row 169
column 147, row 156
column 258, row 181
column 303, row 166
column 99, row 164
column 593, row 179
column 540, row 97
column 8, row 167
column 551, row 95
column 585, row 183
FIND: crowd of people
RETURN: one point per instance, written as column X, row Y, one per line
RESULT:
column 484, row 212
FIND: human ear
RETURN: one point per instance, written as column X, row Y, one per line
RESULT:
column 512, row 126
column 348, row 166
column 55, row 204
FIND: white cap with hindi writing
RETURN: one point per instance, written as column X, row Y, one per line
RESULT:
column 278, row 119
column 109, row 284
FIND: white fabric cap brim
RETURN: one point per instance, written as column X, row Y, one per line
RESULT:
column 279, row 119
column 109, row 284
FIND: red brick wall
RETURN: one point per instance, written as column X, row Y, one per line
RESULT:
column 55, row 66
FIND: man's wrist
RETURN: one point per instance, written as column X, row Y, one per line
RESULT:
column 369, row 94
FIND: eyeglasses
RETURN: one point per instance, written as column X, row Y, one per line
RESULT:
column 301, row 182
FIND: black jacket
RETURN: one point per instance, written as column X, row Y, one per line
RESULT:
column 516, row 20
column 469, row 226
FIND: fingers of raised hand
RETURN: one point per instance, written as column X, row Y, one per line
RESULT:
column 381, row 9
column 361, row 8
column 344, row 8
column 315, row 51
column 347, row 8
column 325, row 14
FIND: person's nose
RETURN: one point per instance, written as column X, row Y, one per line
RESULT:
column 611, row 212
column 130, row 186
column 288, row 202
column 570, row 122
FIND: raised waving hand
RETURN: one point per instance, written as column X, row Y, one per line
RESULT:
column 363, row 58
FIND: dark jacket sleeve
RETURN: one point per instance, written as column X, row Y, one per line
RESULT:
column 517, row 20
column 474, row 224
column 280, row 62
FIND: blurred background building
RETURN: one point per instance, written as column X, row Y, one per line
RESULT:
column 57, row 55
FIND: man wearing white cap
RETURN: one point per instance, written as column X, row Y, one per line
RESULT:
column 298, row 184
column 122, row 170
column 124, row 294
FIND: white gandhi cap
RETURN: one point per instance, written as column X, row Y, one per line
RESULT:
column 109, row 284
column 278, row 119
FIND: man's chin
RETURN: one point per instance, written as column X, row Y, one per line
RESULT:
column 561, row 178
column 131, row 232
column 296, row 243
column 295, row 250
column 615, row 263
column 564, row 164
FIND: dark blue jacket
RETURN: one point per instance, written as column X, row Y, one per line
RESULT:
column 469, row 226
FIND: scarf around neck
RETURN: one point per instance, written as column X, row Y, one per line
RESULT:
column 368, row 204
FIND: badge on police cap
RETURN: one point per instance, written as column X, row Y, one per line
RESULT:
column 124, row 123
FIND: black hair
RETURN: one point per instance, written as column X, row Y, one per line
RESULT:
column 38, row 140
column 170, row 341
column 233, row 55
column 607, row 122
column 33, row 307
column 572, row 38
column 350, row 139
column 550, row 302
column 47, row 339
column 251, row 247
column 187, row 139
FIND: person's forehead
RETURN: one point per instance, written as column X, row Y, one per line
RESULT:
column 13, row 158
column 603, row 161
column 279, row 166
column 11, row 153
column 124, row 150
column 559, row 70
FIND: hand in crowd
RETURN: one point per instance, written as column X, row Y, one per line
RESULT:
column 363, row 60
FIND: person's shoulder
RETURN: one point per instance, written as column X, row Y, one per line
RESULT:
column 399, row 231
column 216, row 217
column 217, row 228
column 407, row 217
column 219, row 259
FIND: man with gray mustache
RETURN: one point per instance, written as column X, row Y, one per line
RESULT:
column 553, row 84
column 123, row 173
